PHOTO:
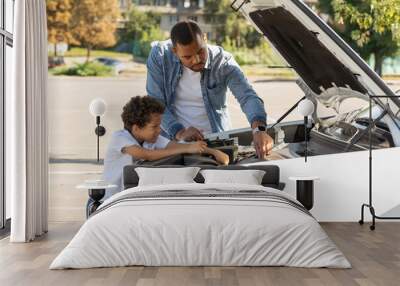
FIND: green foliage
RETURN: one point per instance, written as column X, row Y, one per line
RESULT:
column 231, row 25
column 237, row 36
column 85, row 69
column 261, row 54
column 371, row 27
column 369, row 15
column 142, row 47
column 139, row 23
column 141, row 30
column 81, row 52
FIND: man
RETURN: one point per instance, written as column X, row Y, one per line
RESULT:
column 191, row 78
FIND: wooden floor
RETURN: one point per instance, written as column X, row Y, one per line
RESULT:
column 375, row 257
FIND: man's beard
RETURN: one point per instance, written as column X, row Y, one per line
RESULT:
column 198, row 67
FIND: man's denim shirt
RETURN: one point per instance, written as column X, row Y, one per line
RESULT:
column 221, row 71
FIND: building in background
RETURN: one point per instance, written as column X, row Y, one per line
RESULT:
column 173, row 11
column 311, row 3
column 124, row 7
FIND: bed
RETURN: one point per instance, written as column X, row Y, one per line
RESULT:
column 201, row 224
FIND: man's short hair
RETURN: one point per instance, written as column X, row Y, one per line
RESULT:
column 139, row 109
column 185, row 32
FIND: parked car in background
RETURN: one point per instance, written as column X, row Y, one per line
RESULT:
column 116, row 65
column 55, row 62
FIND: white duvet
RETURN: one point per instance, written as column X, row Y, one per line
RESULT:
column 183, row 231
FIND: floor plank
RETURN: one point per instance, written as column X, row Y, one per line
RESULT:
column 375, row 257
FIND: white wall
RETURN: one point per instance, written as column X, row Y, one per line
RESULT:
column 343, row 184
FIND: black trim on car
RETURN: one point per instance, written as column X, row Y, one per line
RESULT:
column 302, row 49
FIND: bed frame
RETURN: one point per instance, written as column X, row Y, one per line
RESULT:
column 271, row 178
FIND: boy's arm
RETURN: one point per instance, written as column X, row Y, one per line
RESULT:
column 220, row 156
column 147, row 154
column 171, row 149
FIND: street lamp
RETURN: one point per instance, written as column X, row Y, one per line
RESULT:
column 98, row 108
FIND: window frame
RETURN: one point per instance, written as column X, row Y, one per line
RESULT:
column 6, row 39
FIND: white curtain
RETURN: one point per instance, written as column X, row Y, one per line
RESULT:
column 26, row 124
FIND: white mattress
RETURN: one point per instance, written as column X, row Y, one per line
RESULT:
column 202, row 231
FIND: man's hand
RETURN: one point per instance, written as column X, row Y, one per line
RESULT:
column 189, row 134
column 263, row 144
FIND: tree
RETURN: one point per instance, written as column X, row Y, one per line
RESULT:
column 140, row 23
column 369, row 26
column 58, row 19
column 237, row 36
column 230, row 25
column 141, row 29
column 94, row 23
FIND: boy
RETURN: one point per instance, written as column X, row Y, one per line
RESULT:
column 140, row 140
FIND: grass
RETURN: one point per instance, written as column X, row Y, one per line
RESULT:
column 391, row 77
column 81, row 52
column 85, row 69
column 263, row 70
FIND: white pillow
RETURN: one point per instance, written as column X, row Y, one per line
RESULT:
column 164, row 176
column 248, row 177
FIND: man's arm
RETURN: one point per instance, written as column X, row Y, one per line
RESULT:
column 155, row 88
column 251, row 104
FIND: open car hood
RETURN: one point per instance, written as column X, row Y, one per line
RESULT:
column 329, row 70
column 318, row 55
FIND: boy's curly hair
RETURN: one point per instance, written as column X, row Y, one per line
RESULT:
column 139, row 109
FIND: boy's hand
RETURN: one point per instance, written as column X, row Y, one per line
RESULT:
column 221, row 157
column 196, row 147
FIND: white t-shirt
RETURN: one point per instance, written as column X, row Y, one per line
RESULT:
column 115, row 160
column 189, row 104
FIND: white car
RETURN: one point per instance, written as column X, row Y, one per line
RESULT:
column 329, row 72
